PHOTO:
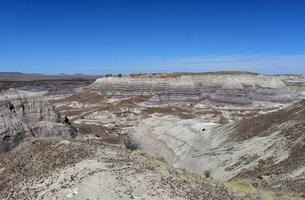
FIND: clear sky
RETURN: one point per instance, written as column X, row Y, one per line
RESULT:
column 112, row 36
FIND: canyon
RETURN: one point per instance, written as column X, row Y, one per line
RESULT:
column 214, row 135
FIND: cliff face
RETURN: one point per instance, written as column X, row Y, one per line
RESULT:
column 24, row 114
column 294, row 83
column 237, row 88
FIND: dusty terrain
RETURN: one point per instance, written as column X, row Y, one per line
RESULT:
column 64, row 169
column 225, row 135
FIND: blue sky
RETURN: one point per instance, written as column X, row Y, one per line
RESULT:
column 124, row 36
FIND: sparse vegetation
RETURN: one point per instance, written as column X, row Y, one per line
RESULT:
column 241, row 187
column 208, row 174
column 245, row 188
column 266, row 195
column 131, row 144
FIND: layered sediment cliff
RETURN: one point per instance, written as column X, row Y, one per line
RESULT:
column 232, row 88
column 25, row 114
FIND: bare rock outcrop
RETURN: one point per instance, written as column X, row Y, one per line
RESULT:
column 24, row 114
column 267, row 147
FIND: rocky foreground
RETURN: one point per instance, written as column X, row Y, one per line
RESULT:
column 65, row 169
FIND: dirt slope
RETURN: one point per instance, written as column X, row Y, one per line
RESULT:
column 43, row 168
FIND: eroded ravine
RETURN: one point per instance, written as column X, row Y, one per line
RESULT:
column 230, row 126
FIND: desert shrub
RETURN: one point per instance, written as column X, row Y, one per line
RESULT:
column 131, row 144
column 208, row 173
